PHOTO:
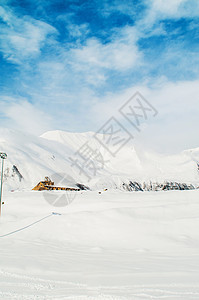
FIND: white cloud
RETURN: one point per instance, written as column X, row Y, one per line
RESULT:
column 160, row 10
column 121, row 54
column 22, row 38
column 78, row 30
column 26, row 117
column 171, row 9
column 175, row 127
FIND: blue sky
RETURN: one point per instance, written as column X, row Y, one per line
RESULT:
column 71, row 64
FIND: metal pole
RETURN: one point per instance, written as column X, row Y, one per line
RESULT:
column 2, row 156
column 2, row 163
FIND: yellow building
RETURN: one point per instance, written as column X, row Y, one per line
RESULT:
column 48, row 185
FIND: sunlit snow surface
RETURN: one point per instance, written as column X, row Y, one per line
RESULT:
column 108, row 246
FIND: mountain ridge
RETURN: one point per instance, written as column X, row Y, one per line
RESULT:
column 51, row 153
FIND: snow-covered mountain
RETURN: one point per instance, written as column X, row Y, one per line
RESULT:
column 31, row 158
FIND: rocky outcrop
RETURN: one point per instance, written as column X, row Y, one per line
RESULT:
column 82, row 187
column 155, row 186
column 13, row 172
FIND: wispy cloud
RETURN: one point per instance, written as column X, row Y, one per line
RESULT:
column 173, row 129
column 22, row 115
column 22, row 38
column 120, row 54
column 160, row 10
column 175, row 8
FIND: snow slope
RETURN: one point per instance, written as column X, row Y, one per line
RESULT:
column 110, row 246
column 37, row 157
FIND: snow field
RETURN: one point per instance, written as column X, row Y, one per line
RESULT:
column 109, row 246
